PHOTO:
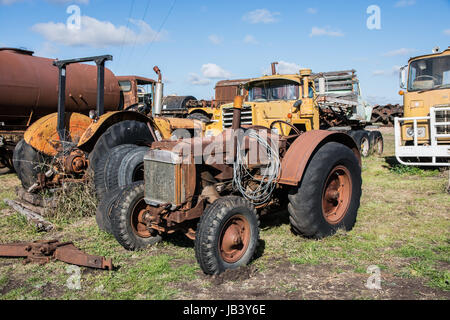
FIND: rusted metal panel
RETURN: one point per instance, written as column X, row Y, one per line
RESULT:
column 48, row 250
column 43, row 136
column 29, row 85
column 228, row 89
column 299, row 153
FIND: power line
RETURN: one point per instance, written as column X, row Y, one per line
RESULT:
column 126, row 32
column 135, row 40
column 159, row 31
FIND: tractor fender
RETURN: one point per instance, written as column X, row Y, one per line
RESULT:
column 304, row 147
column 43, row 135
column 98, row 127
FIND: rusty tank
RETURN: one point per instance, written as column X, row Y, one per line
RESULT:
column 29, row 88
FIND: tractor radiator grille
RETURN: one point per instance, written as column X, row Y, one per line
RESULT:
column 246, row 116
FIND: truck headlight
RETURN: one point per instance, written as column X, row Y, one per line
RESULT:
column 421, row 132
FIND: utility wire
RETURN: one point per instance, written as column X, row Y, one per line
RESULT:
column 159, row 30
column 135, row 40
column 126, row 31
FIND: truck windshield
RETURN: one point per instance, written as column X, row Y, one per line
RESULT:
column 125, row 86
column 428, row 74
column 273, row 90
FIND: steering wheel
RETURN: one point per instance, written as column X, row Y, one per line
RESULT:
column 426, row 76
column 280, row 122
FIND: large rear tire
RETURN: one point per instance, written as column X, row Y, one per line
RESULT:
column 131, row 167
column 227, row 235
column 328, row 197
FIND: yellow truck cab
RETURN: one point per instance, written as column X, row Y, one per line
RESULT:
column 281, row 102
column 422, row 136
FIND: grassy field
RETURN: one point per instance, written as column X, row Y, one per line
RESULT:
column 403, row 229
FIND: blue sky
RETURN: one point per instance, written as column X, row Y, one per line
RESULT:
column 197, row 42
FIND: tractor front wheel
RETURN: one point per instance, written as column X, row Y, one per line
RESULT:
column 227, row 235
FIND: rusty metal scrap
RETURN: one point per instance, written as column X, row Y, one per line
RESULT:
column 46, row 251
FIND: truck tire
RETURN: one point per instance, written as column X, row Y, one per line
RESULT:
column 131, row 167
column 199, row 116
column 362, row 141
column 105, row 168
column 377, row 142
column 328, row 196
column 227, row 235
column 124, row 132
column 126, row 228
column 28, row 163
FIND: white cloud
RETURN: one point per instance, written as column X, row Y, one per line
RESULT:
column 312, row 10
column 392, row 72
column 316, row 31
column 399, row 52
column 98, row 34
column 213, row 71
column 196, row 80
column 249, row 39
column 447, row 32
column 261, row 16
column 288, row 67
column 47, row 50
column 405, row 3
column 215, row 39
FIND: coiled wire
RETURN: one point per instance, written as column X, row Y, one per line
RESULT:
column 268, row 177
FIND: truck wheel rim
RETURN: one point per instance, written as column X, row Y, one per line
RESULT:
column 234, row 239
column 137, row 220
column 336, row 195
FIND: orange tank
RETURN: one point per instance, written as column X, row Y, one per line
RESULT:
column 29, row 88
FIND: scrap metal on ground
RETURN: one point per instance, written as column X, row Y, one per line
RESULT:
column 45, row 251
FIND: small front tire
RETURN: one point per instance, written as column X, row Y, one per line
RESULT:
column 227, row 235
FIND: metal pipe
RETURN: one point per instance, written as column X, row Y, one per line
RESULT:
column 159, row 94
column 274, row 68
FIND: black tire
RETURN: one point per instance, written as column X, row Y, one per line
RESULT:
column 362, row 140
column 104, row 208
column 307, row 213
column 199, row 116
column 28, row 163
column 209, row 233
column 124, row 132
column 129, row 199
column 113, row 164
column 131, row 167
column 377, row 142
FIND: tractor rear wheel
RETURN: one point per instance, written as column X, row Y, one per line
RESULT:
column 329, row 194
column 126, row 219
column 227, row 235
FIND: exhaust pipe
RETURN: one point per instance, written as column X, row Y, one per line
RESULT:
column 159, row 93
column 274, row 68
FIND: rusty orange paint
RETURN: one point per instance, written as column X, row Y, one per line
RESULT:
column 43, row 135
column 300, row 152
column 107, row 120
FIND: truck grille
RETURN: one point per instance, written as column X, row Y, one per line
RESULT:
column 246, row 116
column 443, row 116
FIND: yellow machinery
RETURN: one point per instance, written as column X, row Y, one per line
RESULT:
column 422, row 136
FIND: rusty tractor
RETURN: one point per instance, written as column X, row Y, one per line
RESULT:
column 215, row 189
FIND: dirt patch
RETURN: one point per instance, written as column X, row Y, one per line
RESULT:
column 304, row 282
